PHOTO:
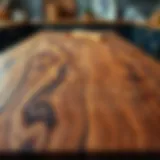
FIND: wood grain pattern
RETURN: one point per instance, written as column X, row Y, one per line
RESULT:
column 78, row 91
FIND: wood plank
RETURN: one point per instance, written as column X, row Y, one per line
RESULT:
column 79, row 91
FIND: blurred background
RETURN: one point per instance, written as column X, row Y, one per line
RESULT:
column 136, row 20
column 79, row 10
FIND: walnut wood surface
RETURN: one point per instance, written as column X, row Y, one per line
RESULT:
column 80, row 91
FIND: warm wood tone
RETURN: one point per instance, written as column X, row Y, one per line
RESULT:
column 85, row 91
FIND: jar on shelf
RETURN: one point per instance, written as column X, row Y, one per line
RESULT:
column 19, row 15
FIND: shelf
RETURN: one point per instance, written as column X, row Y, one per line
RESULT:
column 6, row 24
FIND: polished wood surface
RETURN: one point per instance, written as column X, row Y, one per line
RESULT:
column 80, row 91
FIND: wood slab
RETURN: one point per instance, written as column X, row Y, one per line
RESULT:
column 78, row 91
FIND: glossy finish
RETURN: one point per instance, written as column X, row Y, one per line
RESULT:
column 80, row 91
column 143, row 36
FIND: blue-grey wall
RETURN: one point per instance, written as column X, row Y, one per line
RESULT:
column 33, row 7
column 138, row 8
column 135, row 9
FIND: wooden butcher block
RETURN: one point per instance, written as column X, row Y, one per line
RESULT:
column 78, row 91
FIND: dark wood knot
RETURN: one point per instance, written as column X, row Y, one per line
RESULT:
column 28, row 146
column 40, row 111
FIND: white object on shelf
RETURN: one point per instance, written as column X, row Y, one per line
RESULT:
column 105, row 9
column 132, row 14
column 19, row 15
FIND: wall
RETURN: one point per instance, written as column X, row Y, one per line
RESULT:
column 132, row 9
column 33, row 7
column 139, row 9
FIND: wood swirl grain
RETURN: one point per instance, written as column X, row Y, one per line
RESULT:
column 79, row 91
